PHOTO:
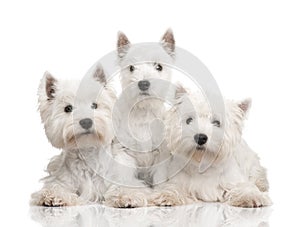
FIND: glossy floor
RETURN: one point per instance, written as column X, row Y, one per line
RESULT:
column 204, row 214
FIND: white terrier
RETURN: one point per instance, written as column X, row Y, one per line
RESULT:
column 77, row 118
column 200, row 137
column 144, row 70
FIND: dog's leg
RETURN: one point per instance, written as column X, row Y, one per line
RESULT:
column 247, row 195
column 54, row 195
column 259, row 177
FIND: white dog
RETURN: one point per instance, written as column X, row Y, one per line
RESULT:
column 77, row 118
column 220, row 167
column 144, row 70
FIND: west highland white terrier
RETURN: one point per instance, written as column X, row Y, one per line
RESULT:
column 203, row 138
column 77, row 118
column 144, row 74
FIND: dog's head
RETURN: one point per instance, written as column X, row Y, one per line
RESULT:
column 77, row 113
column 142, row 64
column 195, row 130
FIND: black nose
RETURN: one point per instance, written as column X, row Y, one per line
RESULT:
column 144, row 85
column 200, row 138
column 86, row 123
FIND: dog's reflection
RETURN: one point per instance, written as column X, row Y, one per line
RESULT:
column 204, row 214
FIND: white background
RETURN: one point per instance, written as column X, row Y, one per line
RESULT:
column 252, row 48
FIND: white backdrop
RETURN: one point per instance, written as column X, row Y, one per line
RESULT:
column 252, row 48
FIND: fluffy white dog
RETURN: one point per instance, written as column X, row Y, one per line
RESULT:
column 77, row 118
column 144, row 70
column 218, row 164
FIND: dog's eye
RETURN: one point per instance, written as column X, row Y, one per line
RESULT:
column 189, row 120
column 68, row 108
column 94, row 105
column 131, row 68
column 216, row 123
column 158, row 67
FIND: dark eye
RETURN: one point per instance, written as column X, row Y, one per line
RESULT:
column 131, row 68
column 216, row 123
column 189, row 120
column 158, row 67
column 94, row 105
column 68, row 108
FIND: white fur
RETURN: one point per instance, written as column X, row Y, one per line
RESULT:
column 234, row 174
column 73, row 176
column 145, row 110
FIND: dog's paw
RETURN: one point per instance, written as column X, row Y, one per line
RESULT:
column 125, row 201
column 168, row 199
column 250, row 201
column 53, row 198
column 53, row 201
column 248, row 198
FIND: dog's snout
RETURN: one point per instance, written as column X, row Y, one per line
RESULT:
column 144, row 85
column 200, row 139
column 86, row 123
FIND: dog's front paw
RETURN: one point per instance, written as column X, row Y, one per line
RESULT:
column 248, row 198
column 51, row 200
column 54, row 198
column 125, row 201
column 250, row 201
column 168, row 199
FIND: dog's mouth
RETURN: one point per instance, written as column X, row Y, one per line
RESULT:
column 86, row 133
column 200, row 148
column 144, row 93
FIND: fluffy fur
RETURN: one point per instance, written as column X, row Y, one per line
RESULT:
column 73, row 176
column 232, row 172
column 204, row 156
column 139, row 63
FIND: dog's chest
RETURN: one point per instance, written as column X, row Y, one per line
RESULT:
column 145, row 127
column 204, row 186
column 141, row 122
column 88, row 175
column 213, row 183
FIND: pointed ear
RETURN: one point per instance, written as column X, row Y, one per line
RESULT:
column 123, row 44
column 180, row 91
column 168, row 42
column 49, row 83
column 245, row 105
column 99, row 75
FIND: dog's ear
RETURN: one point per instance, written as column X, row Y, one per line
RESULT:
column 180, row 91
column 99, row 75
column 168, row 42
column 48, row 84
column 245, row 105
column 123, row 44
column 46, row 93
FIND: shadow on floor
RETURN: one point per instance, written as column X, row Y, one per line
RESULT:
column 204, row 214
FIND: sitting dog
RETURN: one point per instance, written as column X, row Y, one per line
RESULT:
column 144, row 74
